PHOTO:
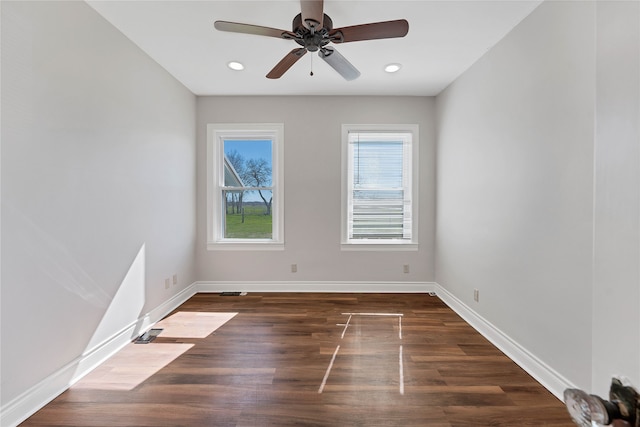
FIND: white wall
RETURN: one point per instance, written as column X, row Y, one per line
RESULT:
column 515, row 212
column 616, row 281
column 515, row 177
column 312, row 129
column 98, row 187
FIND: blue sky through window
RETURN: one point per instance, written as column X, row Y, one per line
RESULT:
column 250, row 149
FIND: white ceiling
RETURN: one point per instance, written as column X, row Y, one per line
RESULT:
column 445, row 38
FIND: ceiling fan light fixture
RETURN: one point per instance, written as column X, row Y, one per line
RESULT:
column 313, row 30
column 392, row 68
column 235, row 65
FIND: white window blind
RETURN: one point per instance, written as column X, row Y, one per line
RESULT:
column 379, row 199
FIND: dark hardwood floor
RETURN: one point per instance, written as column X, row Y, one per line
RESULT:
column 299, row 360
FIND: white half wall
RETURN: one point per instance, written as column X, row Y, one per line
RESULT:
column 515, row 186
column 312, row 168
column 98, row 188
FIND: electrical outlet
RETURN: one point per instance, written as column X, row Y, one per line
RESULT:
column 476, row 295
column 166, row 283
column 294, row 268
column 406, row 268
column 175, row 279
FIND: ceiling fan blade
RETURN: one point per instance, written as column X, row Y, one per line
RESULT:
column 286, row 63
column 312, row 13
column 339, row 63
column 375, row 30
column 235, row 27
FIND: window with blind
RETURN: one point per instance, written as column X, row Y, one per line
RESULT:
column 379, row 185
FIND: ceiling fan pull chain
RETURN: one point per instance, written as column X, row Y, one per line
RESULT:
column 311, row 73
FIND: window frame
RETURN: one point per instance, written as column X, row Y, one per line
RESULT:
column 347, row 244
column 216, row 134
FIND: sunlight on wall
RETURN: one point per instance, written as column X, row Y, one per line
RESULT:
column 126, row 305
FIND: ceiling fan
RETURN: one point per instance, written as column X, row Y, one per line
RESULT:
column 313, row 30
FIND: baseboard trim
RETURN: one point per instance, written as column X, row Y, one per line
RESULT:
column 29, row 402
column 312, row 286
column 543, row 373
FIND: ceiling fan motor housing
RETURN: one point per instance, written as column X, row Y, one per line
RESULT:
column 312, row 40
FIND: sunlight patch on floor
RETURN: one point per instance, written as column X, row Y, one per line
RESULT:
column 192, row 324
column 135, row 363
column 131, row 366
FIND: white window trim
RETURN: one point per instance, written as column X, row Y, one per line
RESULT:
column 380, row 245
column 215, row 133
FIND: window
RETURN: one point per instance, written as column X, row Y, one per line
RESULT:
column 379, row 187
column 245, row 195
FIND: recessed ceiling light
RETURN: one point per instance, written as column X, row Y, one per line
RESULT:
column 235, row 65
column 392, row 68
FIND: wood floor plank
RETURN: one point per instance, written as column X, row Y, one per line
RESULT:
column 289, row 359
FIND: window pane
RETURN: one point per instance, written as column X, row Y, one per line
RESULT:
column 248, row 212
column 379, row 197
column 245, row 202
column 248, row 219
column 251, row 160
column 379, row 202
column 377, row 164
column 378, row 214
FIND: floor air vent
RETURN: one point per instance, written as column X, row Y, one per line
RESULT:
column 148, row 336
column 233, row 294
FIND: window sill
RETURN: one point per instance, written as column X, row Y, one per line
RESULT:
column 386, row 246
column 245, row 246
